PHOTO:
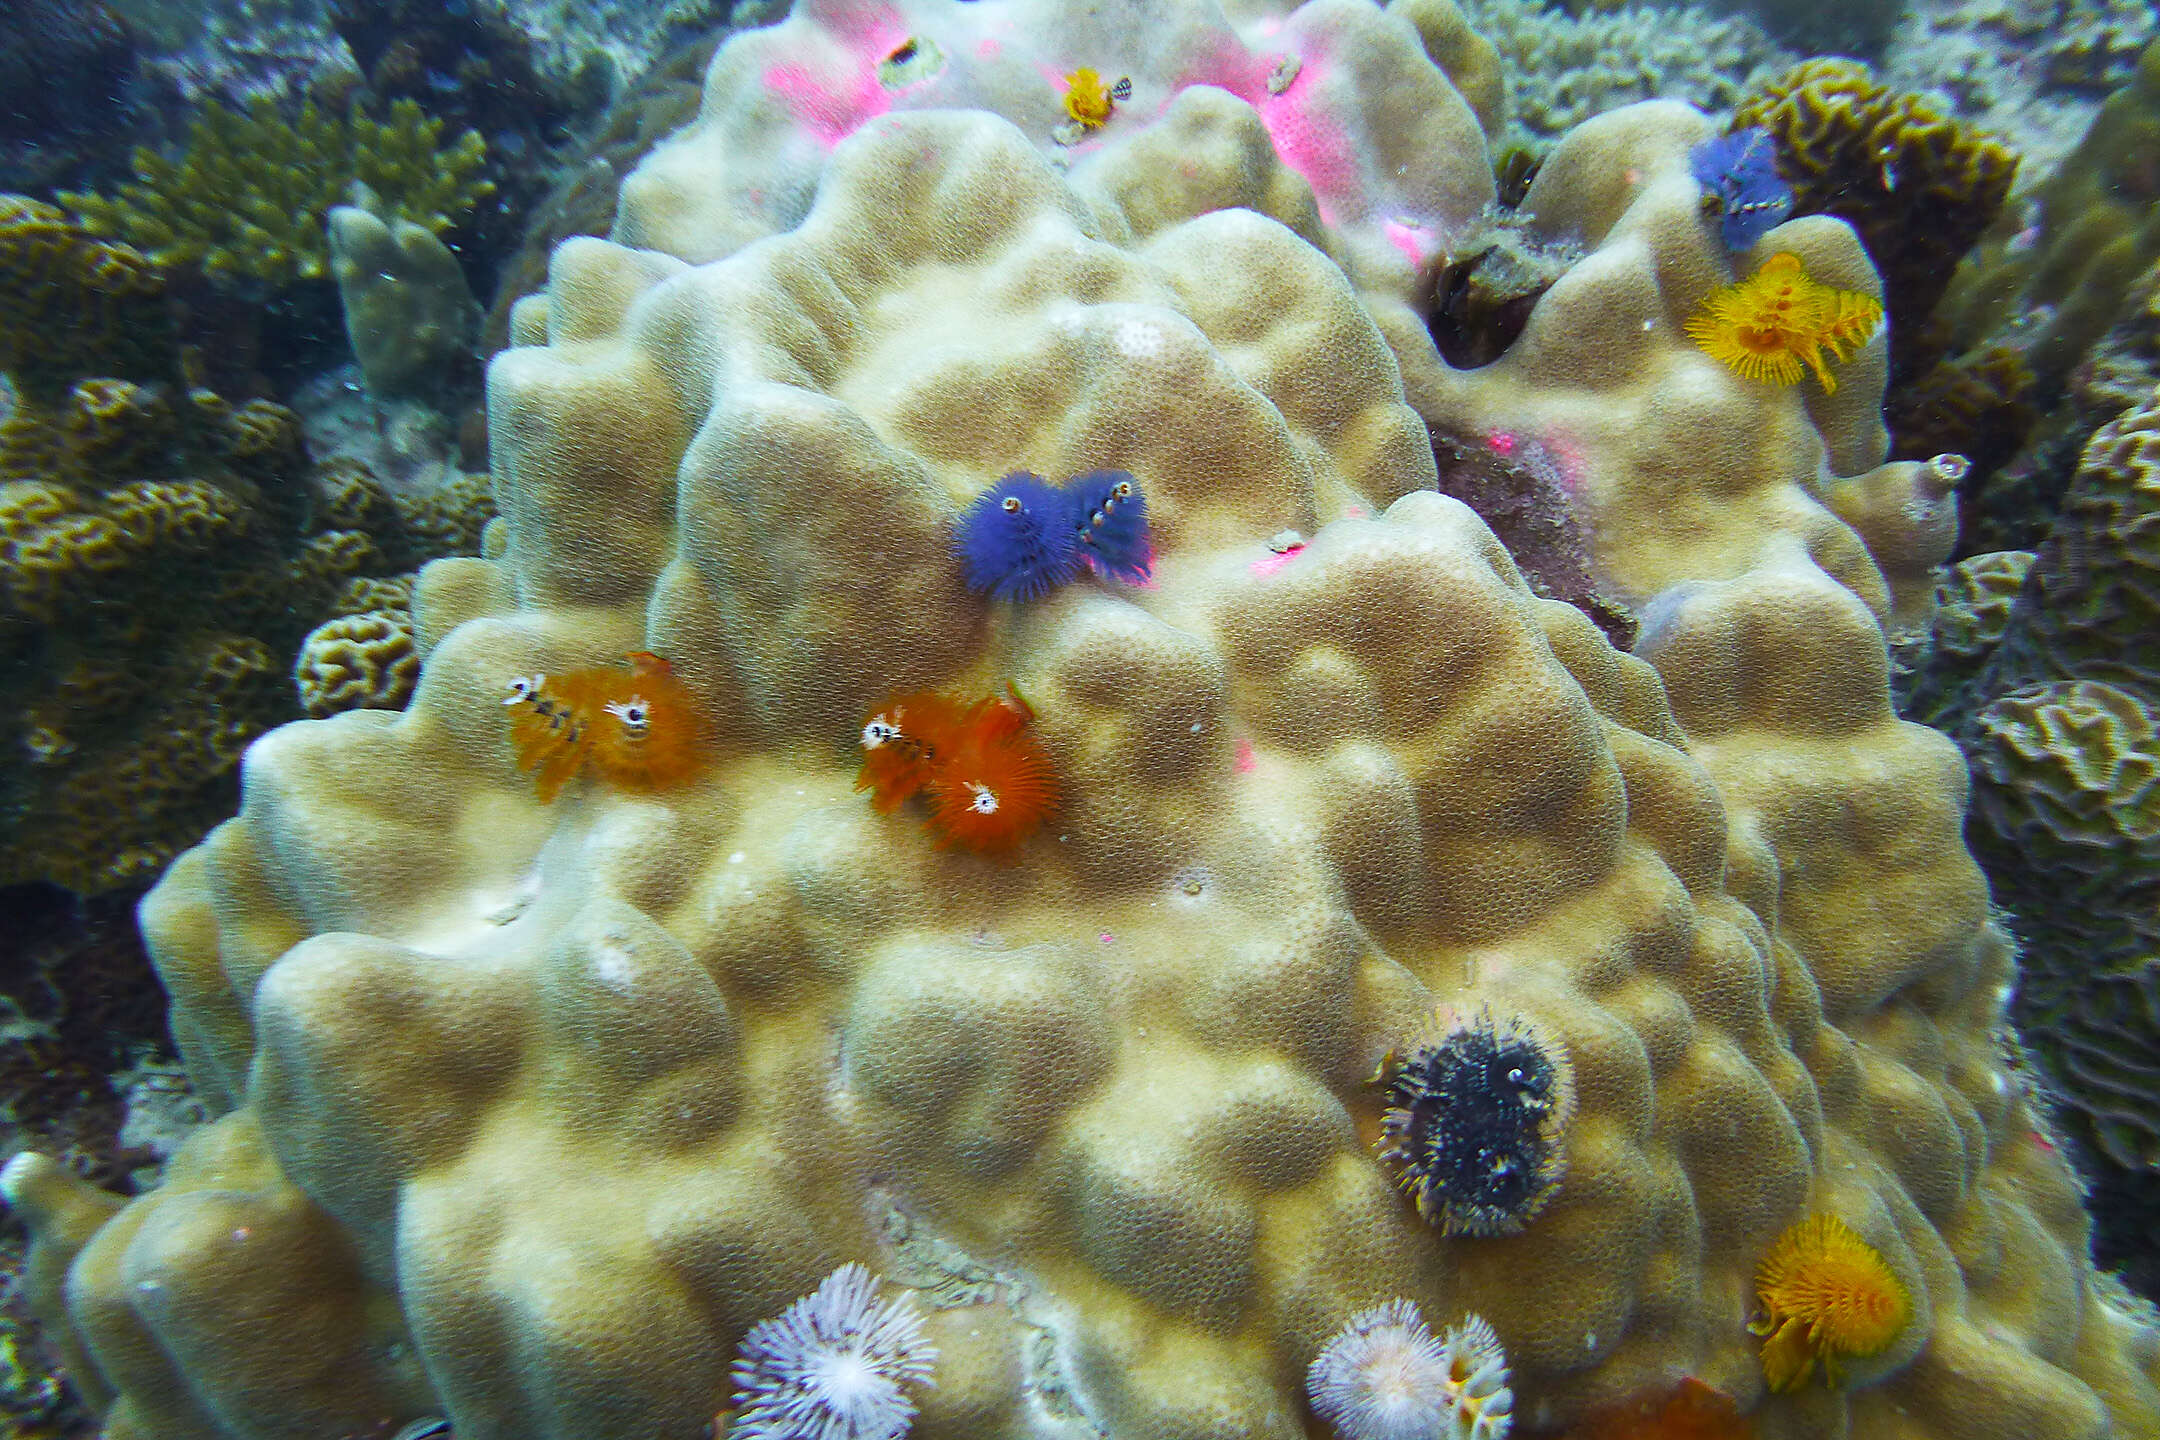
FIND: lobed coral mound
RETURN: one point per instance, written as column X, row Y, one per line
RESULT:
column 1106, row 1115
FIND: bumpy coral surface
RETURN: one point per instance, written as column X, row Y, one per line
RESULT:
column 73, row 305
column 353, row 662
column 1108, row 1109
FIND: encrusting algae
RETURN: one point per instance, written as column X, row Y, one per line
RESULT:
column 1775, row 324
column 1826, row 1295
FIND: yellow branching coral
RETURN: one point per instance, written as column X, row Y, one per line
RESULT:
column 246, row 196
column 1826, row 1294
column 1775, row 324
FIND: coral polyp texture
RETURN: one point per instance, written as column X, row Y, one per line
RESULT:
column 1105, row 1113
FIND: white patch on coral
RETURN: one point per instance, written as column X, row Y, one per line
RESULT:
column 1138, row 339
column 613, row 964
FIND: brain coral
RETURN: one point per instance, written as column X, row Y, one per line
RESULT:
column 531, row 1113
column 2066, row 753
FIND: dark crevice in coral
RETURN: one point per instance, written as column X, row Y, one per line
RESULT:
column 1523, row 496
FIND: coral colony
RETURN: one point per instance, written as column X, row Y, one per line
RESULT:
column 1385, row 1377
column 1473, row 1123
column 1738, row 173
column 835, row 1365
column 404, row 986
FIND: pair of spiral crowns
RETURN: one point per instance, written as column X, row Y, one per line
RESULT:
column 635, row 727
column 1024, row 537
column 987, row 779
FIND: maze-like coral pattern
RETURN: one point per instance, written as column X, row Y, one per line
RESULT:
column 2067, row 806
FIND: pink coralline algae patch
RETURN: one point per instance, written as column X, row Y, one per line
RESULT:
column 1414, row 240
column 1269, row 564
column 829, row 107
column 1306, row 137
column 1315, row 146
column 1247, row 762
column 833, row 101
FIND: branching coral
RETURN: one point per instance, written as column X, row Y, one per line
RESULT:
column 1564, row 68
column 246, row 196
